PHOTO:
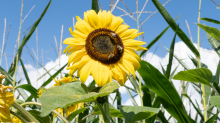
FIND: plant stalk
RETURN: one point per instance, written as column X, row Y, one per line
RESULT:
column 19, row 35
column 54, row 111
column 106, row 108
column 199, row 60
column 19, row 117
column 103, row 113
column 29, row 117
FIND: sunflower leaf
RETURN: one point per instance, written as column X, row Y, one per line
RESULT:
column 71, row 93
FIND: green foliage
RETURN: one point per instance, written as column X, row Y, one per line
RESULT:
column 95, row 5
column 167, row 94
column 214, row 100
column 210, row 20
column 200, row 75
column 71, row 93
column 175, row 27
column 137, row 113
column 214, row 32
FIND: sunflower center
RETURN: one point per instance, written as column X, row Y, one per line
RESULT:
column 104, row 45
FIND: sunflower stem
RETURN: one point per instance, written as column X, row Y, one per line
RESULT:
column 106, row 109
column 19, row 117
column 199, row 60
column 54, row 111
column 103, row 113
column 26, row 114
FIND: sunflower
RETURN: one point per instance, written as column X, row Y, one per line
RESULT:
column 104, row 47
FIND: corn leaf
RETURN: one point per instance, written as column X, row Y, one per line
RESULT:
column 200, row 75
column 166, row 92
column 175, row 27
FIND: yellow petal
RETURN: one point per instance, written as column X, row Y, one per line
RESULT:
column 91, row 18
column 105, row 19
column 82, row 26
column 132, row 60
column 100, row 73
column 116, row 22
column 128, row 33
column 77, row 34
column 121, row 29
column 128, row 66
column 133, row 53
column 80, row 63
column 74, row 41
column 86, row 70
column 76, row 55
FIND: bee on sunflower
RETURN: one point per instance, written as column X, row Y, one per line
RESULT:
column 104, row 47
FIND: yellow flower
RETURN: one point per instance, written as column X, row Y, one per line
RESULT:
column 6, row 99
column 64, row 80
column 1, row 77
column 73, row 108
column 103, row 47
column 16, row 120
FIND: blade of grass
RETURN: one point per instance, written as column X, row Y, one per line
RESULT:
column 170, row 57
column 53, row 76
column 25, row 73
column 95, row 6
column 174, row 26
column 198, row 111
column 210, row 20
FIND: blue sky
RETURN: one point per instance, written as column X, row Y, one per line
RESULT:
column 62, row 13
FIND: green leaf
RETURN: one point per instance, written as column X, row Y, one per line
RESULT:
column 214, row 100
column 174, row 26
column 71, row 93
column 210, row 20
column 162, row 117
column 146, row 96
column 179, row 60
column 95, row 6
column 170, row 57
column 207, row 93
column 195, row 62
column 113, row 111
column 214, row 43
column 30, row 89
column 214, row 32
column 53, row 76
column 200, row 75
column 198, row 111
column 137, row 113
column 82, row 115
column 211, row 120
column 217, row 73
column 25, row 72
column 166, row 92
